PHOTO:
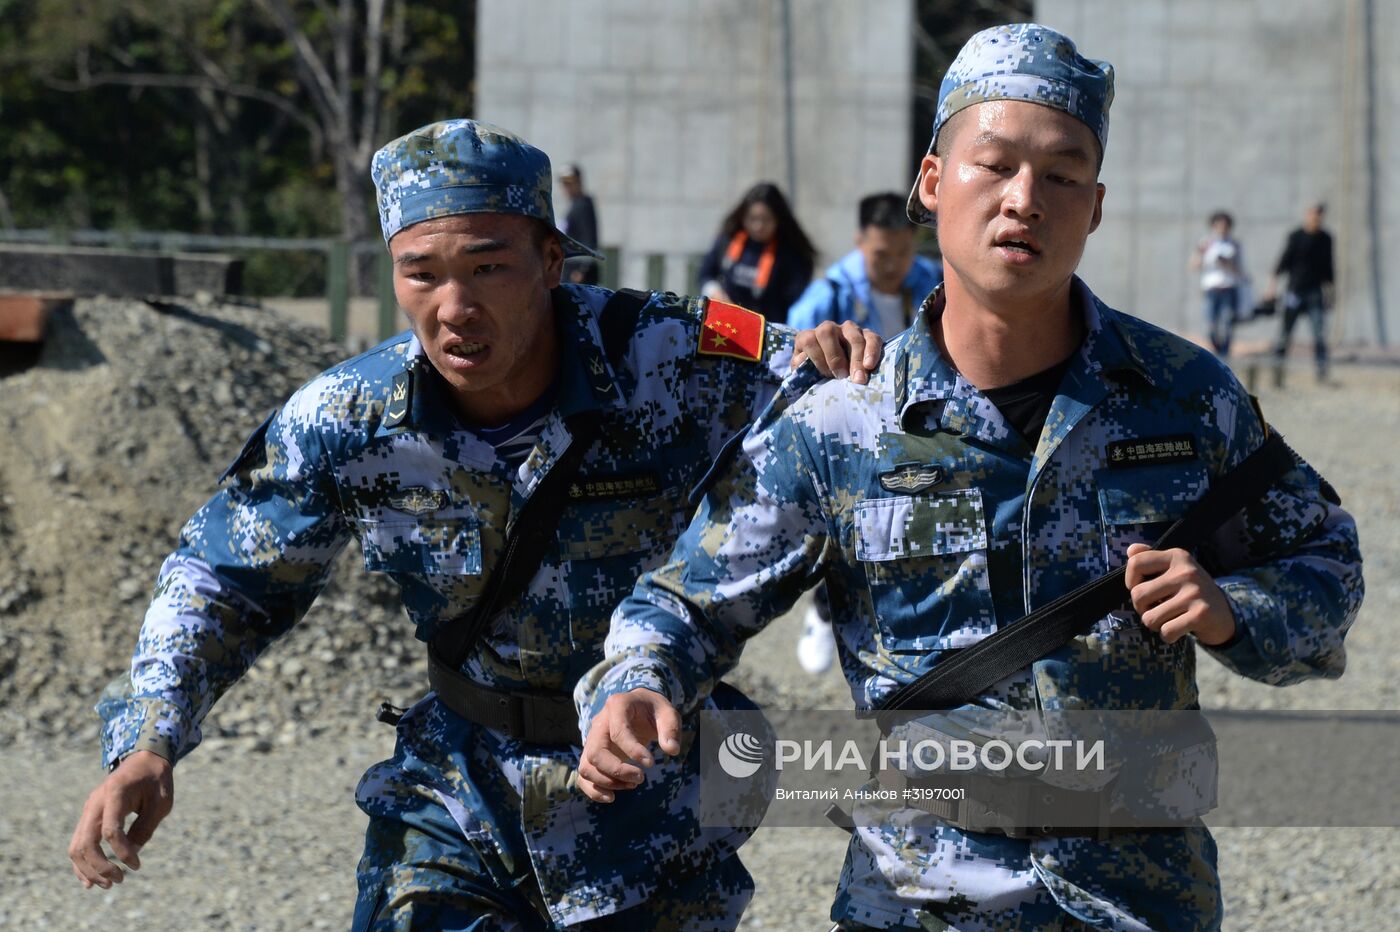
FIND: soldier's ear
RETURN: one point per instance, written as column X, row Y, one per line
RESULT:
column 552, row 257
column 1098, row 207
column 930, row 173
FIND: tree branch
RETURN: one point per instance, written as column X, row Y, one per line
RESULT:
column 374, row 62
column 342, row 36
column 185, row 82
column 318, row 82
column 7, row 219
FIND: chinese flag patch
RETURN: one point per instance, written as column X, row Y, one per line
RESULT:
column 734, row 331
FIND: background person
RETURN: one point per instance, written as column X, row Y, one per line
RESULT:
column 580, row 224
column 1307, row 264
column 1220, row 261
column 880, row 285
column 761, row 259
column 1012, row 446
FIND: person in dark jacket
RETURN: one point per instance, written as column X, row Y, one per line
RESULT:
column 1307, row 262
column 581, row 223
column 761, row 260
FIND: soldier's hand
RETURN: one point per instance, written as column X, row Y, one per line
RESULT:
column 620, row 739
column 141, row 784
column 839, row 351
column 1175, row 596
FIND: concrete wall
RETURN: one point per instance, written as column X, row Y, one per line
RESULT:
column 1253, row 106
column 673, row 109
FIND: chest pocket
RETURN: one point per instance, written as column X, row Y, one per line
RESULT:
column 1138, row 504
column 925, row 561
column 606, row 545
column 591, row 530
column 447, row 543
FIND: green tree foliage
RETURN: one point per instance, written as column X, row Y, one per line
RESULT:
column 222, row 116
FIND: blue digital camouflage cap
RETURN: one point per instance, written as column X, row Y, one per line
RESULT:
column 1022, row 61
column 464, row 167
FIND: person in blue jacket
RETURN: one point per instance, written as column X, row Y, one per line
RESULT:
column 880, row 285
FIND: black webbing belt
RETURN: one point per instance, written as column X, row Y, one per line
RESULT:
column 970, row 671
column 535, row 717
column 539, row 718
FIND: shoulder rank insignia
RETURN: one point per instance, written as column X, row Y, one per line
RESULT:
column 418, row 500
column 729, row 330
column 911, row 478
column 397, row 407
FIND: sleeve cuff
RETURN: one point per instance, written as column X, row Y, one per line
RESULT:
column 143, row 724
column 1240, row 653
column 635, row 673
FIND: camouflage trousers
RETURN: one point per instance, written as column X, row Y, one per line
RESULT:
column 419, row 873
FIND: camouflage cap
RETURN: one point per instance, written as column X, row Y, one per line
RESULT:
column 1022, row 61
column 464, row 167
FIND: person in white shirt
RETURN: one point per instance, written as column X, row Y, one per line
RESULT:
column 1220, row 261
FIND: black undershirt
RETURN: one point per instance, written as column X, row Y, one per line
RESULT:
column 1026, row 404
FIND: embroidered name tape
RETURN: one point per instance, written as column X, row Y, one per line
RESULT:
column 601, row 488
column 1152, row 451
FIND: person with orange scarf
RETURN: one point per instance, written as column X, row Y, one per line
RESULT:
column 761, row 260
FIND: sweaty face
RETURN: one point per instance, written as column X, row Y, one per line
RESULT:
column 759, row 222
column 889, row 254
column 476, row 288
column 1016, row 196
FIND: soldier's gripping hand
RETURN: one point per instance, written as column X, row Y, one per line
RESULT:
column 840, row 351
column 1175, row 596
column 620, row 738
column 142, row 784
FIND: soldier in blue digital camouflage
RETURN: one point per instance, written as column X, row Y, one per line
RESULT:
column 428, row 448
column 1020, row 439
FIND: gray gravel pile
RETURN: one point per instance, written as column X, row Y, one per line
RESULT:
column 114, row 437
column 265, row 834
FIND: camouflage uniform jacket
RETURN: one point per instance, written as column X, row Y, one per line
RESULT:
column 934, row 522
column 369, row 449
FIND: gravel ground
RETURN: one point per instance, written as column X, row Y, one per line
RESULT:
column 265, row 833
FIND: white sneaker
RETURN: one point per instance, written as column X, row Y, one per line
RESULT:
column 817, row 647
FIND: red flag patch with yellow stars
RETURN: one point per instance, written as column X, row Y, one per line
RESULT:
column 729, row 330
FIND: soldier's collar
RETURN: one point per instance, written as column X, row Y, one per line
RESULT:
column 587, row 380
column 1108, row 346
column 415, row 400
column 923, row 374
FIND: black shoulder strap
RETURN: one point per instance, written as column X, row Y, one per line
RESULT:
column 618, row 321
column 968, row 672
column 833, row 307
column 538, row 520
